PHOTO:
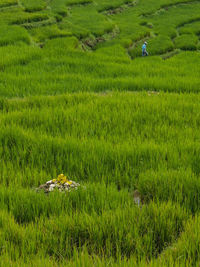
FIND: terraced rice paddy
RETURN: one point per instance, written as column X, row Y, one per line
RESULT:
column 77, row 97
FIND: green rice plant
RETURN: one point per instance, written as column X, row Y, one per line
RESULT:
column 185, row 250
column 89, row 19
column 115, row 53
column 180, row 186
column 154, row 78
column 39, row 24
column 33, row 5
column 78, row 2
column 20, row 54
column 158, row 45
column 72, row 74
column 129, row 26
column 120, row 232
column 106, row 118
column 153, row 7
column 30, row 205
column 107, row 5
column 62, row 45
column 117, row 232
column 191, row 28
column 40, row 34
column 186, row 42
column 166, row 22
column 77, row 31
column 8, row 3
column 28, row 18
column 95, row 77
column 59, row 7
column 12, row 35
column 72, row 141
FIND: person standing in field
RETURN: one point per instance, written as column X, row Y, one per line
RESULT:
column 144, row 49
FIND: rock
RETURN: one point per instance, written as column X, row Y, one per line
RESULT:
column 51, row 187
column 61, row 183
column 42, row 186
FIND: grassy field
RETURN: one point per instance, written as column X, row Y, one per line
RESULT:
column 77, row 97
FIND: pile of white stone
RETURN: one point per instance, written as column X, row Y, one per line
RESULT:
column 61, row 183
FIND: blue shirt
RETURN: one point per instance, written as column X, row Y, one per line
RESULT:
column 144, row 47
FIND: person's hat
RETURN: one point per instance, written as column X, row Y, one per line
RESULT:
column 145, row 42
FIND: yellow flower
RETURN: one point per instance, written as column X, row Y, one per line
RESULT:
column 60, row 177
column 54, row 180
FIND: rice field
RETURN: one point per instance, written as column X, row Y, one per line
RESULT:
column 78, row 98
